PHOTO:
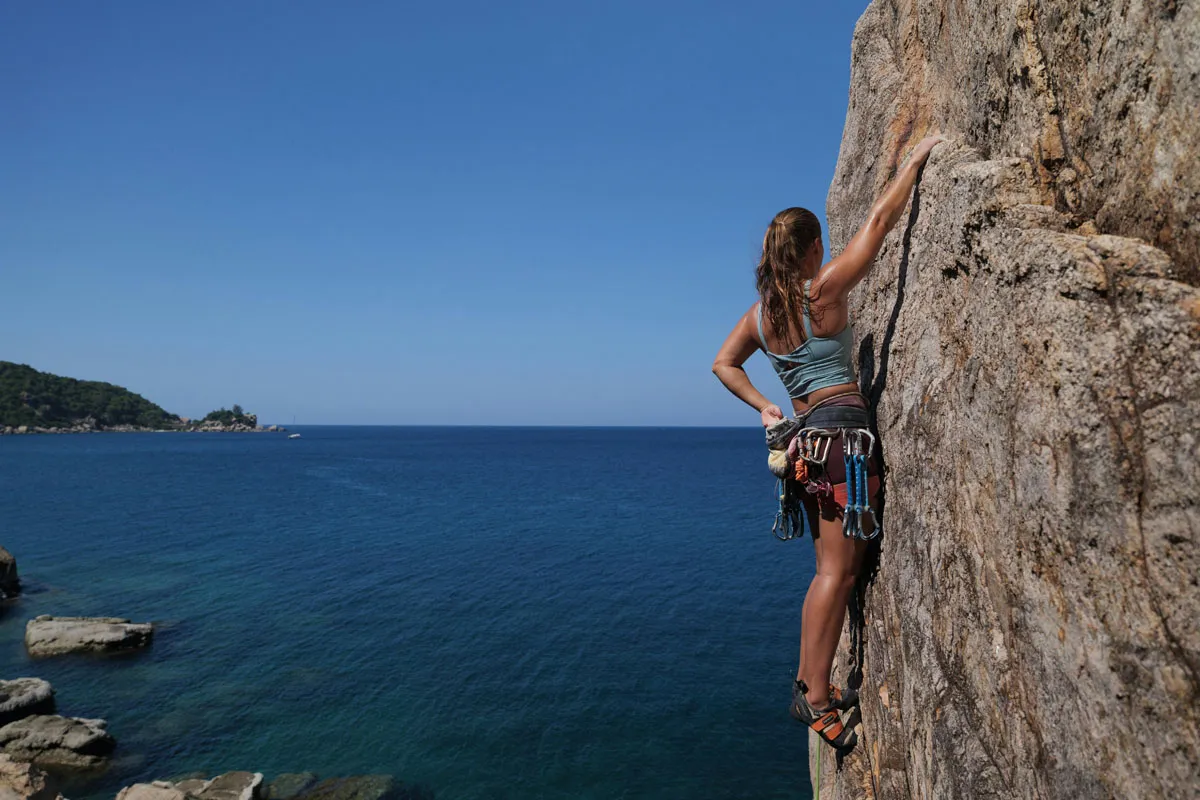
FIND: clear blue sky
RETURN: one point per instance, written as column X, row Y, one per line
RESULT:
column 407, row 213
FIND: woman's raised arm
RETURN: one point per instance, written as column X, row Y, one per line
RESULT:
column 844, row 272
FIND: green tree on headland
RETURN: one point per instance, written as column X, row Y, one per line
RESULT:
column 226, row 416
column 40, row 399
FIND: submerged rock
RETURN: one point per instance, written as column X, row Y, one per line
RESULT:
column 1033, row 629
column 289, row 784
column 23, row 697
column 10, row 584
column 358, row 787
column 48, row 636
column 56, row 742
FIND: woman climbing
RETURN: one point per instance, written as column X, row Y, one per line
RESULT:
column 801, row 321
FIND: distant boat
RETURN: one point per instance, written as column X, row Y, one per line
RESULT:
column 294, row 436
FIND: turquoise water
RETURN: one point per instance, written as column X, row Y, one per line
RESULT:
column 491, row 613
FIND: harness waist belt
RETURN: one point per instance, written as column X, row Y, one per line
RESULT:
column 837, row 417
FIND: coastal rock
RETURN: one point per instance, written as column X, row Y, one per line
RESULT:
column 23, row 697
column 23, row 781
column 232, row 786
column 158, row 790
column 1032, row 625
column 47, row 635
column 229, row 786
column 10, row 584
column 58, row 742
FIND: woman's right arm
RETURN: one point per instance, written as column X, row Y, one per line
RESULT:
column 844, row 272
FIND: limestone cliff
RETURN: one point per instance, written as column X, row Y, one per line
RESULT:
column 1031, row 336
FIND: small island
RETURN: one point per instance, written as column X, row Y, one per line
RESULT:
column 40, row 402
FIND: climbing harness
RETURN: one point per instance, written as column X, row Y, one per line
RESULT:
column 799, row 452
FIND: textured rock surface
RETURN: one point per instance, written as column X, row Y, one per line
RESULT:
column 54, row 742
column 48, row 636
column 1033, row 627
column 22, row 697
column 230, row 786
column 158, row 790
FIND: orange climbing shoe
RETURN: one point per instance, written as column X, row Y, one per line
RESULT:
column 826, row 722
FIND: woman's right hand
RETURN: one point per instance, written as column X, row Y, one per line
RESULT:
column 770, row 415
column 925, row 146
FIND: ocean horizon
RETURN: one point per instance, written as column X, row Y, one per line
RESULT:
column 484, row 611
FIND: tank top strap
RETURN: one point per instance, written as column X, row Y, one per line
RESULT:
column 761, row 338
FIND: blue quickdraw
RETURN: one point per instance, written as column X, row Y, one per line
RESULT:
column 790, row 520
column 858, row 507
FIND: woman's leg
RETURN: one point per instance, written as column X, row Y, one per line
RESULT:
column 838, row 562
column 814, row 517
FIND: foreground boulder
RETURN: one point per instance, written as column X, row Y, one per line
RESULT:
column 22, row 781
column 54, row 742
column 23, row 697
column 1031, row 336
column 10, row 584
column 48, row 636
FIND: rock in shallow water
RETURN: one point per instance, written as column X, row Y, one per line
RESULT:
column 48, row 636
column 358, row 787
column 10, row 584
column 23, row 697
column 289, row 784
column 1033, row 629
column 55, row 742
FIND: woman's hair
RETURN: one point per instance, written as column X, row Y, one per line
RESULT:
column 779, row 274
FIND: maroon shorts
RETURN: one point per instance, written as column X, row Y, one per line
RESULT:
column 828, row 487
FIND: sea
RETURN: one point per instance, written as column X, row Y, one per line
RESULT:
column 480, row 612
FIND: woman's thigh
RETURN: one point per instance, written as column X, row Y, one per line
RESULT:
column 837, row 554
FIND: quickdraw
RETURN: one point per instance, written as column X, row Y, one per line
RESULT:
column 858, row 446
column 807, row 451
column 790, row 520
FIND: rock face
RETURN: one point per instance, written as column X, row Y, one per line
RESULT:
column 10, row 584
column 48, row 636
column 24, row 697
column 54, row 742
column 1030, row 335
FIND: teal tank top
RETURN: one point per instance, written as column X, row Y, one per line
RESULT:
column 817, row 363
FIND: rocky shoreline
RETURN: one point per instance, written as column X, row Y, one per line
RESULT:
column 86, row 427
column 41, row 751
